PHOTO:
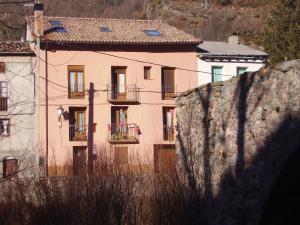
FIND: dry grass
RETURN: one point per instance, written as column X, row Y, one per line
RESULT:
column 111, row 196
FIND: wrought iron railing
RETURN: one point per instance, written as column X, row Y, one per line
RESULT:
column 3, row 103
column 168, row 92
column 78, row 132
column 123, row 93
column 76, row 91
column 123, row 132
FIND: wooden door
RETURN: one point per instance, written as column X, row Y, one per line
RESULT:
column 118, row 120
column 79, row 160
column 165, row 158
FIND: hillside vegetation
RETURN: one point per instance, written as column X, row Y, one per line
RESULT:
column 214, row 23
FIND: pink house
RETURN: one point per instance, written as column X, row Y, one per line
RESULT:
column 107, row 86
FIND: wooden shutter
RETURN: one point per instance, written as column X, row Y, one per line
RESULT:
column 2, row 67
column 165, row 158
column 79, row 160
column 168, row 83
column 10, row 167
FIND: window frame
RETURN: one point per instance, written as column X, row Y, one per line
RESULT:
column 166, row 135
column 5, row 168
column 76, row 94
column 168, row 95
column 8, row 127
column 4, row 98
column 241, row 67
column 2, row 67
column 147, row 76
column 212, row 74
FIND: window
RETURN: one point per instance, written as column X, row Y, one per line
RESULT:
column 216, row 72
column 4, row 127
column 76, row 81
column 2, row 67
column 79, row 160
column 168, row 83
column 105, row 29
column 10, row 166
column 57, row 26
column 3, row 96
column 119, row 83
column 168, row 124
column 240, row 70
column 77, row 125
column 152, row 33
column 147, row 70
column 121, row 155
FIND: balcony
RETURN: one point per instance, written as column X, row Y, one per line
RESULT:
column 169, row 133
column 3, row 103
column 127, row 133
column 76, row 91
column 123, row 94
column 78, row 133
column 168, row 92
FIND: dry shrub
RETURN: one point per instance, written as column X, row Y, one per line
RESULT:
column 111, row 195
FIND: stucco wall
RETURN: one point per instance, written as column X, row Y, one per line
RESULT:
column 22, row 141
column 147, row 114
column 229, row 69
column 235, row 137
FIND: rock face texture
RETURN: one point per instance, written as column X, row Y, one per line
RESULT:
column 234, row 138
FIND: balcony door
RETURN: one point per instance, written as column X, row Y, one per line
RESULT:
column 119, row 83
column 78, row 127
column 168, row 124
column 168, row 83
column 119, row 118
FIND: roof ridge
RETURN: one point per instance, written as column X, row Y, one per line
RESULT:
column 101, row 18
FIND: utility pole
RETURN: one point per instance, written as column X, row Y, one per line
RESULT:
column 91, row 129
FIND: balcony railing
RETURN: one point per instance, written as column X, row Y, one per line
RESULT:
column 3, row 103
column 168, row 92
column 76, row 91
column 169, row 133
column 78, row 132
column 123, row 93
column 128, row 133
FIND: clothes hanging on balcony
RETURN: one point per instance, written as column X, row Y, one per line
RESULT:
column 122, row 121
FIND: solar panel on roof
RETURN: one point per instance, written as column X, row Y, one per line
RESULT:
column 57, row 26
column 152, row 33
column 105, row 29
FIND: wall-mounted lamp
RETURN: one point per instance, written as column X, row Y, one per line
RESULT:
column 60, row 111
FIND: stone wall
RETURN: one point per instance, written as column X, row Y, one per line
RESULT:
column 234, row 138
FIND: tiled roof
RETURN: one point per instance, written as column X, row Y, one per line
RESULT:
column 15, row 48
column 208, row 48
column 121, row 31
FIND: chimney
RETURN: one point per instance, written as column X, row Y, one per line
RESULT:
column 38, row 19
column 233, row 39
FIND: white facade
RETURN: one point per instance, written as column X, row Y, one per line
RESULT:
column 18, row 114
column 229, row 68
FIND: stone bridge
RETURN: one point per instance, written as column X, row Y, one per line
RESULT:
column 239, row 144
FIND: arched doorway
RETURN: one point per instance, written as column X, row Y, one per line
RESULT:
column 283, row 206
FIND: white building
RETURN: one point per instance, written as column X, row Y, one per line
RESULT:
column 220, row 61
column 18, row 111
